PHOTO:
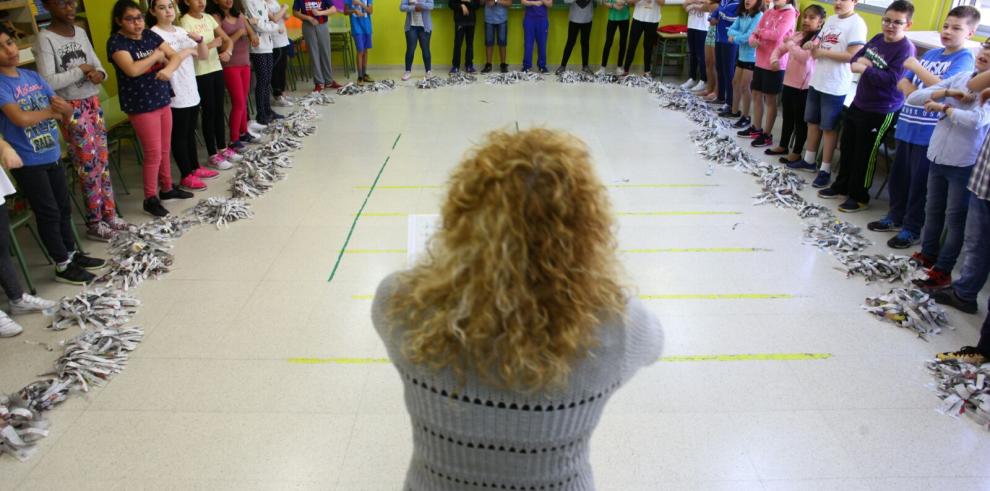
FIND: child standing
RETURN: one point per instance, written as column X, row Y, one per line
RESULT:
column 645, row 19
column 237, row 70
column 185, row 102
column 496, row 27
column 710, row 91
column 908, row 181
column 536, row 25
column 618, row 19
column 578, row 21
column 139, row 56
column 209, row 81
column 20, row 302
column 697, row 31
column 313, row 14
column 30, row 110
column 360, row 14
column 419, row 27
column 800, row 65
column 738, row 34
column 725, row 51
column 776, row 25
column 281, row 49
column 65, row 58
column 963, row 124
column 874, row 109
column 840, row 38
column 464, row 20
column 262, row 58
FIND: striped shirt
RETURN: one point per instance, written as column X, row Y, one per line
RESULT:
column 979, row 180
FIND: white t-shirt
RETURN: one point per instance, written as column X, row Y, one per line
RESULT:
column 279, row 39
column 837, row 35
column 184, row 79
column 647, row 11
column 697, row 19
column 6, row 187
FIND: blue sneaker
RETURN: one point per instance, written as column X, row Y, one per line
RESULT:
column 823, row 179
column 802, row 165
column 884, row 224
column 903, row 240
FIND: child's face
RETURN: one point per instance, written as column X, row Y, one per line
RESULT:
column 226, row 4
column 894, row 24
column 10, row 54
column 779, row 3
column 983, row 59
column 196, row 6
column 810, row 21
column 62, row 10
column 955, row 32
column 164, row 11
column 132, row 22
column 843, row 7
column 751, row 3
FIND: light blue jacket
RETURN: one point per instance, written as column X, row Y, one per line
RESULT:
column 957, row 138
column 740, row 30
column 427, row 7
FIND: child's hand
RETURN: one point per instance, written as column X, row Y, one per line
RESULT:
column 857, row 67
column 865, row 62
column 225, row 56
column 10, row 159
column 96, row 77
column 754, row 42
column 732, row 39
column 984, row 95
column 464, row 9
column 195, row 37
column 775, row 64
column 164, row 75
column 934, row 107
column 61, row 106
column 255, row 41
column 86, row 68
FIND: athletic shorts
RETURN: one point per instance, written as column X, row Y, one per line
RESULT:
column 767, row 81
column 362, row 42
column 745, row 65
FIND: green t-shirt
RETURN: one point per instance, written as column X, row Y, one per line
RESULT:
column 617, row 14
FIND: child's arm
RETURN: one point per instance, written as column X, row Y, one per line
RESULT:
column 44, row 58
column 260, row 23
column 547, row 3
column 174, row 60
column 280, row 15
column 23, row 119
column 744, row 36
column 98, row 74
column 733, row 30
column 133, row 68
column 8, row 157
column 202, row 52
column 926, row 77
column 225, row 43
column 889, row 75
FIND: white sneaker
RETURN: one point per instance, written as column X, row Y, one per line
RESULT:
column 699, row 86
column 429, row 73
column 406, row 76
column 282, row 101
column 30, row 303
column 687, row 85
column 8, row 328
column 217, row 162
column 619, row 71
column 230, row 155
column 256, row 127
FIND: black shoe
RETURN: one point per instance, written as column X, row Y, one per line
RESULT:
column 88, row 263
column 544, row 70
column 743, row 122
column 948, row 296
column 504, row 68
column 829, row 193
column 74, row 275
column 153, row 207
column 559, row 70
column 174, row 193
column 487, row 69
column 729, row 114
column 276, row 116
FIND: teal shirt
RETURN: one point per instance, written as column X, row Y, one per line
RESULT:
column 616, row 14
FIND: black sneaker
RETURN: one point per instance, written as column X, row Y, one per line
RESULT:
column 948, row 296
column 559, row 70
column 764, row 140
column 850, row 205
column 828, row 193
column 487, row 69
column 544, row 70
column 153, row 207
column 174, row 193
column 88, row 263
column 504, row 68
column 884, row 224
column 74, row 275
column 727, row 113
column 743, row 122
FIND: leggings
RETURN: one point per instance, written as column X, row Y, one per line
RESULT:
column 463, row 35
column 86, row 139
column 414, row 34
column 649, row 32
column 46, row 191
column 572, row 34
column 623, row 27
column 696, row 48
column 263, row 65
column 211, row 94
column 154, row 130
column 184, row 139
column 8, row 275
column 793, row 102
column 238, row 82
column 725, row 67
column 278, row 75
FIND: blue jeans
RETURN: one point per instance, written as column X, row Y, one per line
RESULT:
column 696, row 51
column 725, row 67
column 948, row 200
column 976, row 263
column 414, row 34
column 496, row 33
column 535, row 30
column 909, row 186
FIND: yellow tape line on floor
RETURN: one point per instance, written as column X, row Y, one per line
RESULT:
column 665, row 359
column 624, row 251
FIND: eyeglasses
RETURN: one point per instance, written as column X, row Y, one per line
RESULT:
column 133, row 19
column 891, row 22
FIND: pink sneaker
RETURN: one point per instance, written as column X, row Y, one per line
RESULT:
column 204, row 173
column 192, row 183
column 218, row 162
column 117, row 224
column 231, row 156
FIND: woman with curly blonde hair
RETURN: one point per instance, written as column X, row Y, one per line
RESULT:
column 513, row 331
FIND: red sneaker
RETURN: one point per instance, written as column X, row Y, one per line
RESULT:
column 333, row 85
column 923, row 260
column 318, row 88
column 192, row 183
column 203, row 173
column 936, row 279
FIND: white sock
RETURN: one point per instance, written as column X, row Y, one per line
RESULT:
column 809, row 156
column 827, row 167
column 62, row 265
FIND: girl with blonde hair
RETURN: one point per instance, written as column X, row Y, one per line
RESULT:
column 512, row 333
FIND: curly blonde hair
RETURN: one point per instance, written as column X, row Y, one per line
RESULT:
column 523, row 270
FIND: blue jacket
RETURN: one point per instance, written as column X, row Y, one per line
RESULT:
column 740, row 30
column 726, row 15
column 427, row 7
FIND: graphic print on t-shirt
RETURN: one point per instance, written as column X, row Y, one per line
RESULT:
column 69, row 56
column 32, row 98
column 875, row 58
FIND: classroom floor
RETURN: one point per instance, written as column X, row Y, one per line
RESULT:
column 212, row 400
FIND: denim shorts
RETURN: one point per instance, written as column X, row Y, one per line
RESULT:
column 823, row 109
column 362, row 42
column 496, row 32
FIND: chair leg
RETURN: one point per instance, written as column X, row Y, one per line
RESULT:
column 16, row 250
column 41, row 245
column 115, row 165
column 75, row 236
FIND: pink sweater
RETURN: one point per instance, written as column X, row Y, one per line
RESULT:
column 775, row 25
column 798, row 62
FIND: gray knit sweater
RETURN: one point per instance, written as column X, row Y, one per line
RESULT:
column 476, row 437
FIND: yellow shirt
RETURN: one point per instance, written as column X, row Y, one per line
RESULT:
column 204, row 27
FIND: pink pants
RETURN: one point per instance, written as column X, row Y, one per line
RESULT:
column 238, row 82
column 154, row 129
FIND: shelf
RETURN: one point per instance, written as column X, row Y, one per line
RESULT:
column 13, row 5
